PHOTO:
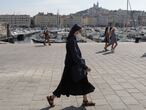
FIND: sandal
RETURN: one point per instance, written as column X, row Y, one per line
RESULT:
column 87, row 103
column 50, row 100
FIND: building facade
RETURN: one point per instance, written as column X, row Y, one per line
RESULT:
column 102, row 20
column 16, row 20
column 142, row 20
column 70, row 20
column 46, row 20
column 89, row 21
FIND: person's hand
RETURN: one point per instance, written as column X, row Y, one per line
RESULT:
column 88, row 69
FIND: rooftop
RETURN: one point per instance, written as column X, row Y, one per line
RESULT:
column 28, row 73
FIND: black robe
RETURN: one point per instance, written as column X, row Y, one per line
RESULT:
column 67, row 86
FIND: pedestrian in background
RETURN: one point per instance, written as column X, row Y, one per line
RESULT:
column 106, row 38
column 112, row 39
column 46, row 38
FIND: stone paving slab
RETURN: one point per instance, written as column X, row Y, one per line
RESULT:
column 30, row 72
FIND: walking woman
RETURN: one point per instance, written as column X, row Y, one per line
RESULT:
column 113, row 39
column 106, row 39
column 74, row 80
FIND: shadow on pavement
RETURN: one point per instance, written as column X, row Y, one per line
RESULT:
column 67, row 108
column 107, row 53
column 75, row 108
column 102, row 51
column 47, row 108
column 144, row 55
column 39, row 46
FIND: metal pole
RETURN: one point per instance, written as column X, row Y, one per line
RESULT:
column 127, row 12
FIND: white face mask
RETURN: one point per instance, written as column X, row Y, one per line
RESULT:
column 79, row 35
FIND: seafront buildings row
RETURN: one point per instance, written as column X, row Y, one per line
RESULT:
column 16, row 20
column 94, row 16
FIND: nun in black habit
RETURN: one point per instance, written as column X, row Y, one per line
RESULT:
column 74, row 80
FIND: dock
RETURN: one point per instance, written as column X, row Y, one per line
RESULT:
column 30, row 72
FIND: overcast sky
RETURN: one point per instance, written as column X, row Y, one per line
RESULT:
column 32, row 7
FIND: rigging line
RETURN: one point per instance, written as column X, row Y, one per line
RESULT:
column 129, row 5
column 132, row 14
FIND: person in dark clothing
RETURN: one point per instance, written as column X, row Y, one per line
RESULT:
column 68, row 85
column 106, row 39
column 46, row 38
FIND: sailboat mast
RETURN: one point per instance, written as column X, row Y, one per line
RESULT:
column 132, row 15
column 58, row 19
column 127, row 5
column 127, row 13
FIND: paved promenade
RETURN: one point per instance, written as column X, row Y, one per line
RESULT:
column 28, row 73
